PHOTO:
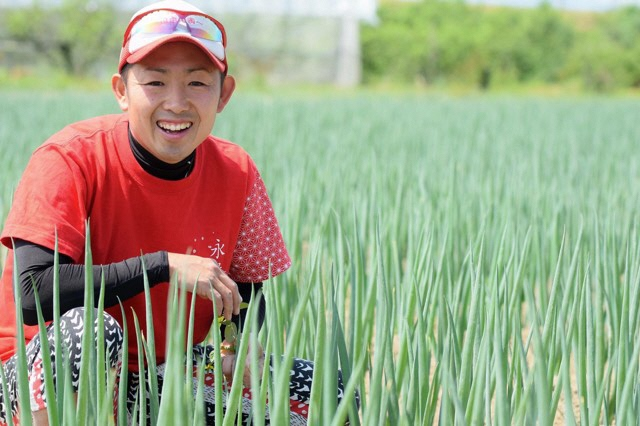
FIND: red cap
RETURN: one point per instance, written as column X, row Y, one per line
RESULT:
column 179, row 21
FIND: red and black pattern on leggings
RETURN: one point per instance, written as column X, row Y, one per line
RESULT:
column 71, row 332
column 300, row 380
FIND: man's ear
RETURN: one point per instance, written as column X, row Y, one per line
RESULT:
column 228, row 86
column 119, row 88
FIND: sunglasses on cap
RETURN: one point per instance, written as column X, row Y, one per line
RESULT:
column 160, row 23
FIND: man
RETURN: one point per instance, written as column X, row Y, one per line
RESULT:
column 150, row 181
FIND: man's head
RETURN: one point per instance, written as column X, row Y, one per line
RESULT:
column 174, row 85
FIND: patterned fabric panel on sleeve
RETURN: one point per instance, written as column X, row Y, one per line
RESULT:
column 260, row 252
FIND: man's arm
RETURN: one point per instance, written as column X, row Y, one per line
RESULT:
column 245, row 293
column 122, row 280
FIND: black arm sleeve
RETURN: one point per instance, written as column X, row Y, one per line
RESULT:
column 122, row 279
column 245, row 292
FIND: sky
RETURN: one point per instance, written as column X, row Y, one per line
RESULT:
column 564, row 4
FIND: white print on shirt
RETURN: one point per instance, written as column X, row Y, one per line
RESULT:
column 215, row 249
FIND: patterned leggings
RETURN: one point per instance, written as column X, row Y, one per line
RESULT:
column 72, row 326
column 71, row 331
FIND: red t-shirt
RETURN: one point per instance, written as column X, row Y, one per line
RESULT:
column 87, row 172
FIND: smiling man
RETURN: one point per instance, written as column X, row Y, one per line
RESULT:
column 151, row 180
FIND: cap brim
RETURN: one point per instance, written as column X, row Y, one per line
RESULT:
column 139, row 54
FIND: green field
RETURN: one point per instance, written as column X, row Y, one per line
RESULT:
column 479, row 257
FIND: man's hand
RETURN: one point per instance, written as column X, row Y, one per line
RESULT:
column 204, row 276
column 229, row 364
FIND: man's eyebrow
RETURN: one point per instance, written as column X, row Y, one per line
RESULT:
column 157, row 69
column 189, row 70
column 196, row 69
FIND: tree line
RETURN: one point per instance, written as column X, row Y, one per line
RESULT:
column 436, row 42
column 426, row 42
column 73, row 36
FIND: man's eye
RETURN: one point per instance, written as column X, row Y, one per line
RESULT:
column 154, row 83
column 197, row 83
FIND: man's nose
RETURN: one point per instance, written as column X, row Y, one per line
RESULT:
column 177, row 100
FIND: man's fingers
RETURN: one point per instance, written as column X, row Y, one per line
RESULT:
column 227, row 301
column 215, row 296
column 226, row 297
column 259, row 350
column 232, row 287
column 211, row 281
column 235, row 294
column 219, row 304
column 228, row 364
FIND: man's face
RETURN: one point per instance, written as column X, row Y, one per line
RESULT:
column 172, row 97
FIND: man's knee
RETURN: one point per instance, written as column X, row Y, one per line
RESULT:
column 72, row 327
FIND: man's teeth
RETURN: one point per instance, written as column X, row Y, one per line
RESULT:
column 174, row 127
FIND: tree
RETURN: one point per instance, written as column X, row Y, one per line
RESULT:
column 622, row 28
column 72, row 36
column 544, row 43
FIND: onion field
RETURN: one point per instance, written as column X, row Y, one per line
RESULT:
column 468, row 260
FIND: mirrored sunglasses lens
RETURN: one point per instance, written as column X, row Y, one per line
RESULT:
column 157, row 23
column 203, row 28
